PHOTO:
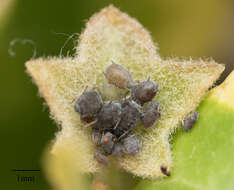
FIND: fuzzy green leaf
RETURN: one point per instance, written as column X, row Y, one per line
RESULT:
column 111, row 35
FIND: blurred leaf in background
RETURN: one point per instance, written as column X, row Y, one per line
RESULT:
column 181, row 28
column 6, row 7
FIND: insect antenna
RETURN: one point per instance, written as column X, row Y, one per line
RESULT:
column 91, row 123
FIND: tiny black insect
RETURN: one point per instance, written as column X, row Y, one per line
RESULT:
column 109, row 116
column 130, row 116
column 132, row 145
column 151, row 114
column 189, row 121
column 144, row 91
column 165, row 171
column 107, row 143
column 88, row 105
column 101, row 158
column 118, row 149
column 118, row 75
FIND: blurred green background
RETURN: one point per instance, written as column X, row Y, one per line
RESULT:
column 181, row 28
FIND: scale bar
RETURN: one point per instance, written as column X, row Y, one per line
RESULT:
column 27, row 170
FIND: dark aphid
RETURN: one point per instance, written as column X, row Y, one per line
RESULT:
column 151, row 114
column 107, row 143
column 96, row 137
column 101, row 158
column 144, row 91
column 118, row 149
column 118, row 75
column 109, row 116
column 132, row 145
column 88, row 105
column 165, row 171
column 131, row 115
column 190, row 120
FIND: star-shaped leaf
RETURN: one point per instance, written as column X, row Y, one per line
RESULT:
column 109, row 36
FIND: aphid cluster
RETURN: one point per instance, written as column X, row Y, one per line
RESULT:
column 113, row 121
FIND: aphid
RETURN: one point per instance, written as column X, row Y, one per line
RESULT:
column 109, row 116
column 165, row 171
column 96, row 137
column 118, row 75
column 144, row 91
column 107, row 143
column 101, row 158
column 151, row 114
column 118, row 149
column 131, row 114
column 88, row 105
column 189, row 121
column 132, row 145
